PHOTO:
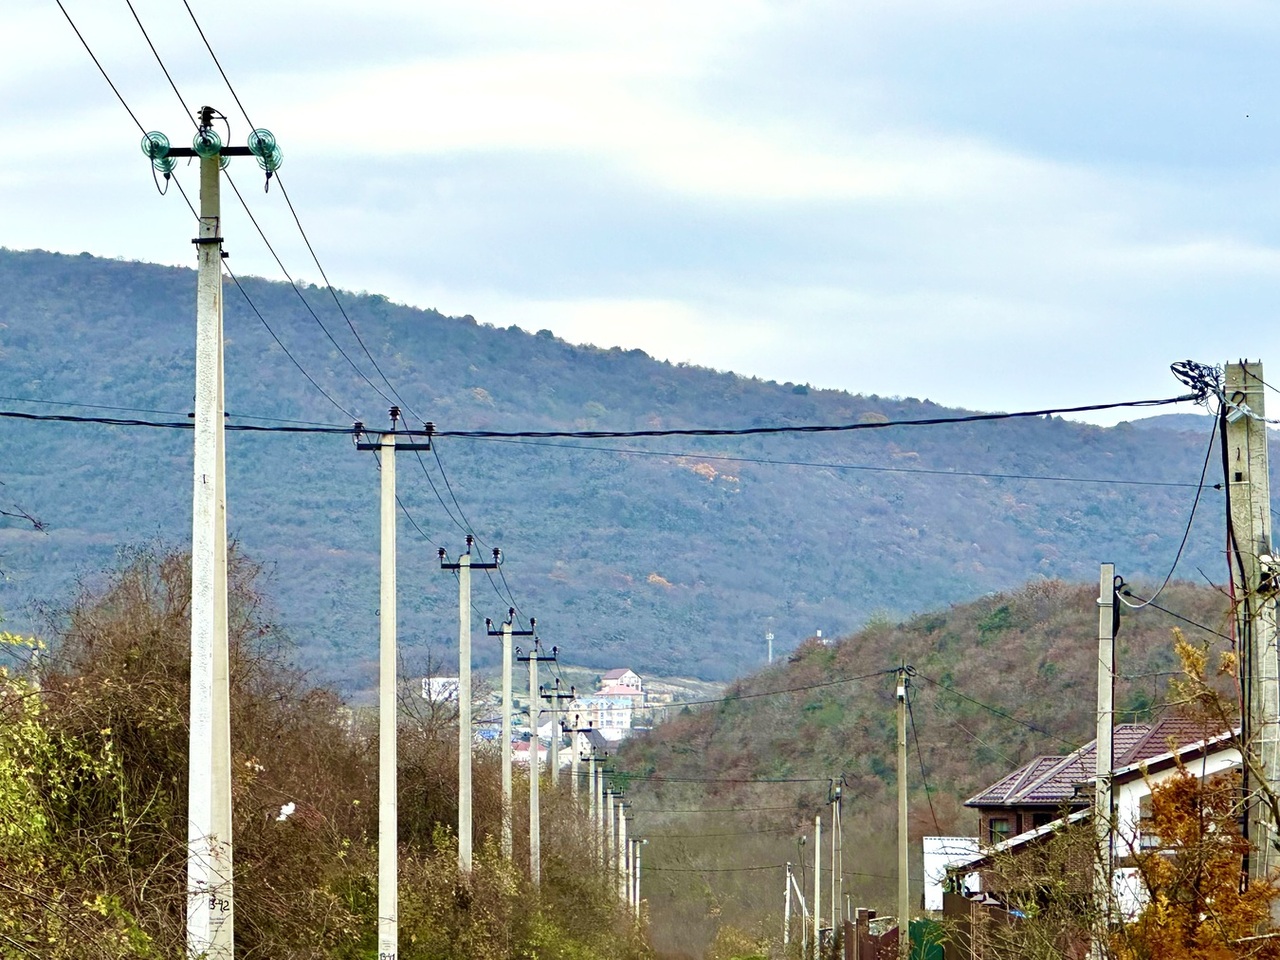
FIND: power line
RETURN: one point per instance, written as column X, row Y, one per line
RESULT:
column 101, row 70
column 773, row 866
column 310, row 379
column 1190, row 520
column 662, row 778
column 775, row 693
column 186, row 110
column 172, row 425
column 289, row 277
column 709, row 836
column 861, row 467
column 1180, row 617
column 639, row 811
column 154, row 52
column 297, row 220
column 809, row 428
column 997, row 711
column 915, row 735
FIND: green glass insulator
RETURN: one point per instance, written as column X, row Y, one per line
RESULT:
column 261, row 142
column 165, row 165
column 224, row 162
column 207, row 143
column 272, row 161
column 155, row 145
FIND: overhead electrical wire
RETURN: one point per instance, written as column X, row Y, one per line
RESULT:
column 97, row 63
column 292, row 283
column 254, row 220
column 924, row 778
column 280, row 343
column 1187, row 620
column 810, row 428
column 774, row 693
column 709, row 836
column 997, row 711
column 1186, row 534
column 298, row 221
column 829, row 465
column 637, row 810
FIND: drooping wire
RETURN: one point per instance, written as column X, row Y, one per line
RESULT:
column 257, row 313
column 288, row 276
column 1035, row 728
column 1186, row 534
column 298, row 221
column 774, row 693
column 98, row 64
column 924, row 778
column 465, row 528
column 811, row 428
column 465, row 524
column 167, row 413
column 155, row 53
column 827, row 465
column 1177, row 616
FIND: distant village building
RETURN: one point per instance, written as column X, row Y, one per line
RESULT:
column 611, row 716
column 440, row 689
column 522, row 750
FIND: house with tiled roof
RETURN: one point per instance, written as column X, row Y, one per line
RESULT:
column 1045, row 795
column 1048, row 788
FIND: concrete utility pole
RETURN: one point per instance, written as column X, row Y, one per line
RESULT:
column 635, row 872
column 786, row 908
column 624, row 851
column 768, row 639
column 553, row 697
column 1253, row 580
column 388, row 811
column 836, row 878
column 535, row 762
column 817, row 886
column 464, row 566
column 210, row 899
column 611, row 829
column 210, row 896
column 575, row 757
column 1103, row 819
column 507, row 632
column 597, row 805
column 904, row 897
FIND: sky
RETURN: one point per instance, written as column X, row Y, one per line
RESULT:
column 994, row 205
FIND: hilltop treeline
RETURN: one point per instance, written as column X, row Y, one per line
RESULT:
column 996, row 682
column 93, row 795
column 655, row 554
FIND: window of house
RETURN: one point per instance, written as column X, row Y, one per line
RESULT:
column 1041, row 819
column 998, row 829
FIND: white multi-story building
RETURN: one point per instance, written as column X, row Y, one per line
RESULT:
column 610, row 715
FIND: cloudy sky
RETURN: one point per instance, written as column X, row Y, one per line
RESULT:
column 992, row 204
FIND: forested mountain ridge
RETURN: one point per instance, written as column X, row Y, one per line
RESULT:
column 994, row 683
column 653, row 553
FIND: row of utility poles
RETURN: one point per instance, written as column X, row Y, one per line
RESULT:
column 210, row 885
column 210, row 881
column 811, row 942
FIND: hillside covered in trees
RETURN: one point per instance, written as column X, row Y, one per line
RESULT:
column 670, row 555
column 725, row 789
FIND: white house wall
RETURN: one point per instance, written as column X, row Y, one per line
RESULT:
column 1129, row 794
